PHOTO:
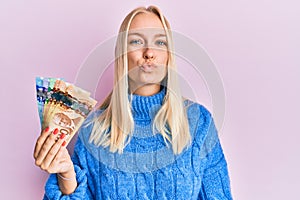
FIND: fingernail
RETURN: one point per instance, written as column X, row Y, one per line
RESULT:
column 55, row 131
column 62, row 136
column 64, row 143
column 46, row 129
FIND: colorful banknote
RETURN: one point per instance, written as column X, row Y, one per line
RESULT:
column 62, row 106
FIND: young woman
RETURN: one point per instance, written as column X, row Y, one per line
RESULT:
column 145, row 141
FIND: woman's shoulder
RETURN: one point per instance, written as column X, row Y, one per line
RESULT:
column 87, row 126
column 85, row 130
column 200, row 120
column 93, row 114
column 197, row 110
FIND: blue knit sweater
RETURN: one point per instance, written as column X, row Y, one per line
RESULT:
column 148, row 169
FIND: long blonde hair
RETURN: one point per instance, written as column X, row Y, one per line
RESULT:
column 115, row 124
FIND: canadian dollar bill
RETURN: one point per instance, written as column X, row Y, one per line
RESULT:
column 62, row 106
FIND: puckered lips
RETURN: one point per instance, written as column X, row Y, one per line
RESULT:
column 147, row 67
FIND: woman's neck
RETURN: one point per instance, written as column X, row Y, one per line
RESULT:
column 147, row 90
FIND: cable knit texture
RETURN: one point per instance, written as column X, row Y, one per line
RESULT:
column 148, row 169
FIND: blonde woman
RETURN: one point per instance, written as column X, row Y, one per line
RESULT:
column 145, row 141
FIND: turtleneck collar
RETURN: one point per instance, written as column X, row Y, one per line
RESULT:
column 146, row 107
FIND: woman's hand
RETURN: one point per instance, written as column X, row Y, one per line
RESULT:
column 51, row 155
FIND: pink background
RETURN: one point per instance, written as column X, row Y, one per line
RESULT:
column 254, row 45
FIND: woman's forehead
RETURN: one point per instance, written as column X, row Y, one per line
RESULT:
column 146, row 20
column 144, row 32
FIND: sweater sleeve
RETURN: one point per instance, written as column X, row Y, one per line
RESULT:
column 215, row 182
column 52, row 190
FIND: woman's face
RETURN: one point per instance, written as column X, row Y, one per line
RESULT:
column 147, row 51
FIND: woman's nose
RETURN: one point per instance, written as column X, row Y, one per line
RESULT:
column 148, row 53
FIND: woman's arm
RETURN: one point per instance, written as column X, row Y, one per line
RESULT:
column 82, row 191
column 215, row 181
column 52, row 156
column 67, row 181
column 68, row 176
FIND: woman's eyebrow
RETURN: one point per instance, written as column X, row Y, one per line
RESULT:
column 160, row 35
column 139, row 34
column 142, row 35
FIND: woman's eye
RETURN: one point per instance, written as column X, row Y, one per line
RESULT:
column 161, row 43
column 135, row 42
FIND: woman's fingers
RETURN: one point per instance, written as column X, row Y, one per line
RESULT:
column 53, row 152
column 40, row 141
column 50, row 152
column 45, row 147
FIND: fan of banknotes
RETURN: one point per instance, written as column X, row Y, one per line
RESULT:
column 62, row 106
